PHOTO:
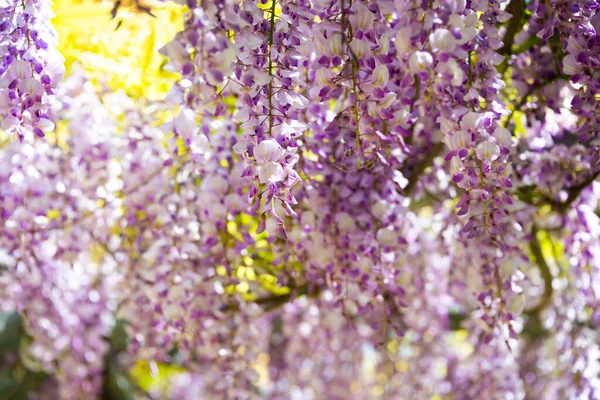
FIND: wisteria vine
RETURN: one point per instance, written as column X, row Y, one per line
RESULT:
column 393, row 199
column 31, row 66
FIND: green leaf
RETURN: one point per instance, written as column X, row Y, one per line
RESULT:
column 30, row 383
column 11, row 324
column 556, row 46
column 28, row 360
column 455, row 319
column 117, row 385
column 7, row 383
column 119, row 339
column 534, row 329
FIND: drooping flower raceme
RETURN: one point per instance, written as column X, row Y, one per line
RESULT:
column 31, row 67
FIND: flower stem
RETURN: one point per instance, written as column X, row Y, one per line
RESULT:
column 271, row 34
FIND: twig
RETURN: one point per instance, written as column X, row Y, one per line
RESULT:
column 271, row 36
column 574, row 193
column 558, row 206
column 516, row 8
column 536, row 250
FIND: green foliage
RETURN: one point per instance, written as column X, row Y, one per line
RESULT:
column 8, row 383
column 11, row 325
column 18, row 382
column 119, row 338
column 117, row 383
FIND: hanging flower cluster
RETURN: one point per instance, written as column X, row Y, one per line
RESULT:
column 31, row 67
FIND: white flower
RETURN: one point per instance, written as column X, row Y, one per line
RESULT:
column 319, row 253
column 308, row 218
column 470, row 121
column 380, row 76
column 176, row 52
column 271, row 172
column 380, row 209
column 402, row 42
column 295, row 100
column 517, row 304
column 456, row 166
column 447, row 126
column 487, row 151
column 466, row 26
column 474, row 283
column 362, row 19
column 293, row 129
column 442, row 40
column 323, row 76
column 20, row 69
column 199, row 144
column 345, row 222
column 217, row 211
column 386, row 237
column 174, row 311
column 457, row 73
column 45, row 125
column 234, row 201
column 185, row 123
column 571, row 66
column 55, row 67
column 388, row 100
column 176, row 293
column 503, row 137
column 241, row 147
column 400, row 179
column 31, row 86
column 215, row 184
column 267, row 150
column 401, row 118
column 460, row 140
column 334, row 43
column 420, row 61
column 384, row 44
column 359, row 47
